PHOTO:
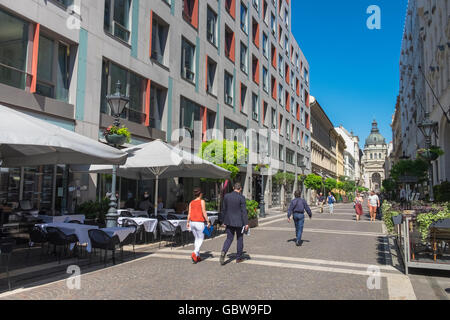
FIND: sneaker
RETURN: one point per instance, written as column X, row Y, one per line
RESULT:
column 194, row 258
column 199, row 258
column 299, row 243
column 222, row 258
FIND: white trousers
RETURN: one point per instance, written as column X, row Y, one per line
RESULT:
column 197, row 229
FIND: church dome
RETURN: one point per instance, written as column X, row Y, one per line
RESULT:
column 375, row 137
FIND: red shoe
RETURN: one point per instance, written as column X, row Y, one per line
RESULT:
column 194, row 258
column 199, row 259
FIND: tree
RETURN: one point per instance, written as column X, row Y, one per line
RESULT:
column 313, row 182
column 417, row 168
column 330, row 184
column 389, row 185
column 225, row 154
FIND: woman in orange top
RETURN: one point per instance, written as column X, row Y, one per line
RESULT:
column 196, row 219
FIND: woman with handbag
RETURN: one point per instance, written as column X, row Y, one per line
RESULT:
column 196, row 219
column 358, row 206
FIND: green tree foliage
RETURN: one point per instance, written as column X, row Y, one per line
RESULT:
column 389, row 185
column 330, row 184
column 349, row 186
column 225, row 154
column 340, row 185
column 313, row 182
column 417, row 168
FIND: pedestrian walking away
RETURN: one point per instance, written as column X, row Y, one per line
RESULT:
column 358, row 206
column 331, row 200
column 297, row 209
column 374, row 203
column 196, row 219
column 235, row 218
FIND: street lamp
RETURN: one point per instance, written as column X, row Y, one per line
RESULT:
column 303, row 167
column 117, row 102
column 427, row 127
column 262, row 204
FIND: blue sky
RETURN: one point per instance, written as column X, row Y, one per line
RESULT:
column 354, row 71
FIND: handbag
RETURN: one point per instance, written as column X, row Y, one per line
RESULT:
column 208, row 231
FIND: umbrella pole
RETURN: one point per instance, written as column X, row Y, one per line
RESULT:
column 156, row 194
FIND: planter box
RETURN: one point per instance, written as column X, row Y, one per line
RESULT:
column 253, row 223
column 116, row 139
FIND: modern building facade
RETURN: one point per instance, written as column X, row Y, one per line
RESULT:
column 424, row 81
column 375, row 153
column 188, row 67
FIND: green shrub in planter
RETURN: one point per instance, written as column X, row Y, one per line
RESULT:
column 252, row 209
column 424, row 221
column 211, row 206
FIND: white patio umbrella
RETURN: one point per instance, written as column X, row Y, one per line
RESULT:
column 157, row 159
column 28, row 141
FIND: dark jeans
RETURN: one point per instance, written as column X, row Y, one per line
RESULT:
column 230, row 236
column 299, row 220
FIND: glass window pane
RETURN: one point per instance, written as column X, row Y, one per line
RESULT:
column 62, row 77
column 13, row 50
column 45, row 60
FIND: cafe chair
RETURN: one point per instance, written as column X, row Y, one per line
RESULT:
column 132, row 237
column 6, row 249
column 167, row 229
column 160, row 218
column 171, row 216
column 74, row 221
column 101, row 240
column 126, row 214
column 58, row 238
column 39, row 236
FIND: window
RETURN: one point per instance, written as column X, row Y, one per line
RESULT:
column 255, row 69
column 286, row 16
column 290, row 156
column 190, row 12
column 281, row 125
column 211, row 27
column 211, row 81
column 288, row 130
column 265, row 80
column 273, row 83
column 286, row 44
column 280, row 65
column 274, row 118
column 65, row 3
column 265, row 109
column 281, row 152
column 306, row 75
column 256, row 4
column 228, row 89
column 160, row 32
column 243, row 98
column 13, row 51
column 187, row 60
column 280, row 95
column 158, row 96
column 265, row 45
column 273, row 24
column 244, row 18
column 229, row 43
column 132, row 85
column 230, row 5
column 117, row 18
column 255, row 100
column 265, row 16
column 53, row 69
column 307, row 142
column 190, row 112
column 298, row 137
column 244, row 58
column 371, row 156
column 273, row 52
column 255, row 32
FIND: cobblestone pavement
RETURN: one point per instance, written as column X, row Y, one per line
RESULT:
column 340, row 259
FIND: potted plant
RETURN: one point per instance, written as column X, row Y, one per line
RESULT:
column 252, row 211
column 117, row 136
column 430, row 154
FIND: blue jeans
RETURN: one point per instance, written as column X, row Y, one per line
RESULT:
column 299, row 220
column 331, row 205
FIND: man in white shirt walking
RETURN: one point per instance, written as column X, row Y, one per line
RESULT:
column 374, row 203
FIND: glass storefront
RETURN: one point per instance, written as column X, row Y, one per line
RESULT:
column 43, row 186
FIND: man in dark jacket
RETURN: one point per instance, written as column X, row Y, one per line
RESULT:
column 234, row 217
column 297, row 209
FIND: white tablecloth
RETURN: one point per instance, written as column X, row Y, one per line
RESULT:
column 149, row 224
column 181, row 223
column 62, row 219
column 122, row 233
column 81, row 230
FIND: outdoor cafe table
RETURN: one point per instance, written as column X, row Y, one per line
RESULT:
column 121, row 233
column 148, row 223
column 62, row 219
column 80, row 230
